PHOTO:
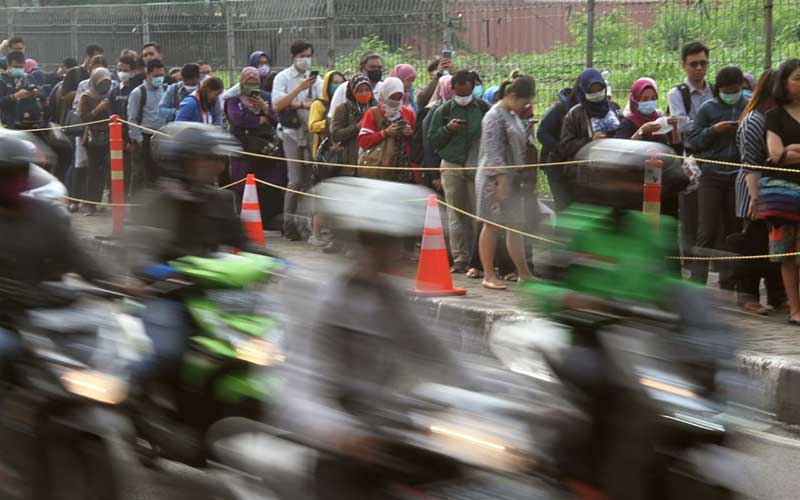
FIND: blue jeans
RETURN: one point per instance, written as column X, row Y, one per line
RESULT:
column 167, row 324
column 10, row 350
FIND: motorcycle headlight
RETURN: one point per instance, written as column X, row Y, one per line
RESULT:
column 259, row 352
column 95, row 385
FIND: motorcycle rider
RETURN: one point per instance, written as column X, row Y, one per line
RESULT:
column 616, row 253
column 364, row 333
column 185, row 215
column 37, row 243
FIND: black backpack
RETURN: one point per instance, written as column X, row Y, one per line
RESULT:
column 143, row 102
column 686, row 95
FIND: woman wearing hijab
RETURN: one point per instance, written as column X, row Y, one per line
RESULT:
column 390, row 121
column 491, row 96
column 250, row 114
column 317, row 115
column 595, row 117
column 261, row 61
column 346, row 122
column 93, row 106
column 640, row 122
column 407, row 74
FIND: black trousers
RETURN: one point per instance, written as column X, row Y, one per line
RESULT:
column 716, row 204
column 749, row 273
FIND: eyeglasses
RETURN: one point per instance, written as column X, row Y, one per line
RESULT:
column 698, row 64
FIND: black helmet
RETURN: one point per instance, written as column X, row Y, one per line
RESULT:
column 183, row 140
column 614, row 173
column 20, row 149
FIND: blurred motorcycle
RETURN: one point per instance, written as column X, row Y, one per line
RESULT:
column 60, row 421
column 641, row 415
column 236, row 336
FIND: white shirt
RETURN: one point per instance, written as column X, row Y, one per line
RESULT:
column 340, row 96
column 286, row 81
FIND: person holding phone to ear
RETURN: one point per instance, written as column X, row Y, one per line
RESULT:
column 713, row 137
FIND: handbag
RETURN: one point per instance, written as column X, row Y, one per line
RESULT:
column 379, row 155
column 289, row 118
column 74, row 119
column 261, row 140
column 327, row 152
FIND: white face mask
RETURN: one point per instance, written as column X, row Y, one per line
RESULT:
column 124, row 76
column 303, row 63
column 463, row 100
column 596, row 96
column 392, row 104
column 190, row 88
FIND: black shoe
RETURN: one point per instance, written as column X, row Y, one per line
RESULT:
column 292, row 236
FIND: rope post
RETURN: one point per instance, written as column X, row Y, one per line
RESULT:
column 652, row 188
column 117, row 174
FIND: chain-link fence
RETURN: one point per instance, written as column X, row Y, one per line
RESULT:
column 545, row 38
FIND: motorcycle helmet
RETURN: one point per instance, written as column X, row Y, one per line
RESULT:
column 614, row 173
column 18, row 150
column 187, row 140
column 372, row 206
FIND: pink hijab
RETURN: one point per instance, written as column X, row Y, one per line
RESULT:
column 638, row 87
column 30, row 65
column 247, row 73
column 403, row 72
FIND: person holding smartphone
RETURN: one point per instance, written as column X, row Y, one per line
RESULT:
column 293, row 91
column 713, row 137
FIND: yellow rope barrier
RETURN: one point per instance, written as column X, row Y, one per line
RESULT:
column 100, row 203
column 60, row 127
column 737, row 165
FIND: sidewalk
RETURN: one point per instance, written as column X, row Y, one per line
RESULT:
column 769, row 348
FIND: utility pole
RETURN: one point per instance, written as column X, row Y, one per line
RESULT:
column 590, row 34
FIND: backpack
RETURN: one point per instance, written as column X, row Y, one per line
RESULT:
column 686, row 95
column 143, row 102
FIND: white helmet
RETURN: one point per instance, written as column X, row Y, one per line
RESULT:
column 373, row 206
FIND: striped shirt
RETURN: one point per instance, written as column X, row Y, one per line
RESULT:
column 752, row 143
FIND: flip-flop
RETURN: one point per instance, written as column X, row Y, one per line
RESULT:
column 474, row 273
column 511, row 277
column 492, row 286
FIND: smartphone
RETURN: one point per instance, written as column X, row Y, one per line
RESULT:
column 255, row 93
column 313, row 74
column 460, row 121
column 402, row 124
column 447, row 54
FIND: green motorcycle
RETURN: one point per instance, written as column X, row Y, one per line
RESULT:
column 227, row 368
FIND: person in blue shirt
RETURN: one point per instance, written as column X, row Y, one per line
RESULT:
column 203, row 105
column 177, row 92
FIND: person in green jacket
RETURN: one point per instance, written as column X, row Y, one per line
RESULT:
column 455, row 133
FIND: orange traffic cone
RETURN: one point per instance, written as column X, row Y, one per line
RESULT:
column 251, row 212
column 433, row 274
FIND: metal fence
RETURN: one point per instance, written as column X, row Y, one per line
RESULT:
column 550, row 39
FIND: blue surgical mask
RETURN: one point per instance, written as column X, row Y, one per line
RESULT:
column 730, row 99
column 17, row 72
column 747, row 94
column 158, row 81
column 334, row 87
column 648, row 107
column 478, row 91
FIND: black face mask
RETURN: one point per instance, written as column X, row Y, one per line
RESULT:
column 375, row 75
column 103, row 89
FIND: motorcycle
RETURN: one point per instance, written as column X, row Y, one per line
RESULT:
column 438, row 442
column 61, row 423
column 226, row 371
column 640, row 414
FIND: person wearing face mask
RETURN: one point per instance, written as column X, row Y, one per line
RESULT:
column 390, row 123
column 206, row 71
column 261, row 62
column 500, row 193
column 293, row 91
column 408, row 75
column 371, row 66
column 640, row 122
column 748, row 86
column 94, row 105
column 594, row 117
column 177, row 92
column 713, row 137
column 455, row 133
column 346, row 122
column 119, row 106
column 204, row 104
column 19, row 96
column 422, row 152
column 143, row 110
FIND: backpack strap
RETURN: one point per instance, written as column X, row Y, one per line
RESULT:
column 447, row 108
column 142, row 103
column 686, row 94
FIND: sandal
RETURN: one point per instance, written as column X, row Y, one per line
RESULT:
column 492, row 286
column 511, row 277
column 754, row 308
column 474, row 273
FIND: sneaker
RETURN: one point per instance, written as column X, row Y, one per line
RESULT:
column 317, row 242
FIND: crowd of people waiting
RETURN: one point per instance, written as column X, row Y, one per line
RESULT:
column 307, row 126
